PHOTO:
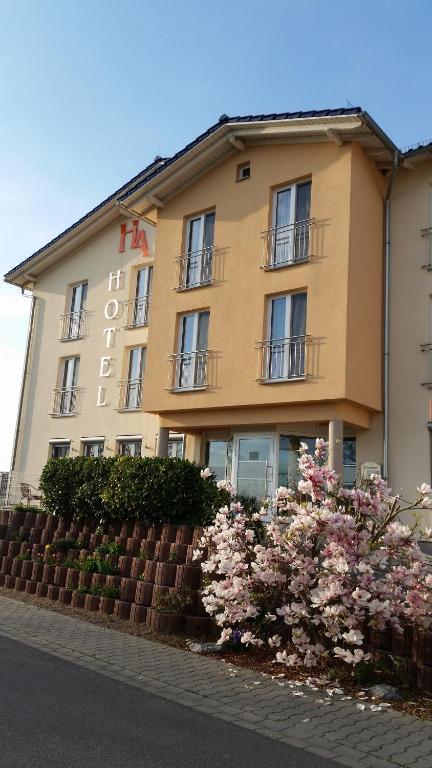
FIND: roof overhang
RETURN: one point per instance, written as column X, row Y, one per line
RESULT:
column 235, row 137
column 415, row 157
column 163, row 179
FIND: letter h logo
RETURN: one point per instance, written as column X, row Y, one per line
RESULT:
column 138, row 240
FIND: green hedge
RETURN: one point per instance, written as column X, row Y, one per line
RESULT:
column 147, row 489
column 73, row 486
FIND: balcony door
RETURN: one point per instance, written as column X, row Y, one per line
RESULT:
column 287, row 330
column 69, row 383
column 199, row 247
column 253, row 465
column 135, row 376
column 77, row 306
column 193, row 344
column 291, row 214
column 142, row 295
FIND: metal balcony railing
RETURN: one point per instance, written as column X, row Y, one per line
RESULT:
column 189, row 370
column 195, row 268
column 137, row 312
column 73, row 325
column 129, row 394
column 286, row 245
column 65, row 401
column 282, row 359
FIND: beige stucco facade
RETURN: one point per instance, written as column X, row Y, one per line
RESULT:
column 90, row 263
column 410, row 395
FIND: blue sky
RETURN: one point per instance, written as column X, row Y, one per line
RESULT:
column 92, row 90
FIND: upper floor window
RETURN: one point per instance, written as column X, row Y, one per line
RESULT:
column 65, row 398
column 284, row 350
column 243, row 171
column 190, row 369
column 73, row 322
column 129, row 395
column 138, row 307
column 288, row 240
column 197, row 261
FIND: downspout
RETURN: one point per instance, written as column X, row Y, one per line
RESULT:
column 387, row 258
column 23, row 381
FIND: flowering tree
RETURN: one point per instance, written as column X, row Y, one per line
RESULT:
column 331, row 564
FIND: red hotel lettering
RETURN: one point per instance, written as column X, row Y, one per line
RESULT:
column 139, row 239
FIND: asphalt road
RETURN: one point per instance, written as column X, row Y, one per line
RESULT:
column 58, row 715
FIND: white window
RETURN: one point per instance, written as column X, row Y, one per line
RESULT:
column 191, row 368
column 129, row 447
column 175, row 447
column 285, row 348
column 60, row 450
column 67, row 401
column 133, row 393
column 93, row 448
column 291, row 221
column 196, row 264
column 243, row 171
column 75, row 318
column 142, row 296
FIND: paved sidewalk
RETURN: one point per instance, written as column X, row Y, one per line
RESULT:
column 331, row 727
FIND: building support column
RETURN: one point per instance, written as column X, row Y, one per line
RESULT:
column 336, row 445
column 162, row 442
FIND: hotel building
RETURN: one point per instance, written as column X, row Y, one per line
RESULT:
column 229, row 302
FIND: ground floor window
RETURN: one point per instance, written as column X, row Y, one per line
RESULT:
column 60, row 450
column 257, row 464
column 129, row 447
column 218, row 458
column 289, row 445
column 94, row 449
column 176, row 447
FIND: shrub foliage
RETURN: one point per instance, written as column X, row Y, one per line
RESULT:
column 149, row 489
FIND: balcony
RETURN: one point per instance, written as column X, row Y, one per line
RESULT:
column 137, row 312
column 189, row 371
column 65, row 401
column 287, row 245
column 129, row 395
column 195, row 268
column 282, row 359
column 73, row 325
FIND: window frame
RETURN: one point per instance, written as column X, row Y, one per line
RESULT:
column 54, row 445
column 293, row 187
column 193, row 351
column 288, row 296
column 201, row 252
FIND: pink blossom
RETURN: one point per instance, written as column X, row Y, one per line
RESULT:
column 329, row 562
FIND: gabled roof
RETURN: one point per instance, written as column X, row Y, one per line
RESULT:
column 226, row 120
column 164, row 177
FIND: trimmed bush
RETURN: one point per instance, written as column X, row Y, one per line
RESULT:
column 150, row 490
column 160, row 489
column 73, row 486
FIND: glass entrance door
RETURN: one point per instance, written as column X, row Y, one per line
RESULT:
column 253, row 465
